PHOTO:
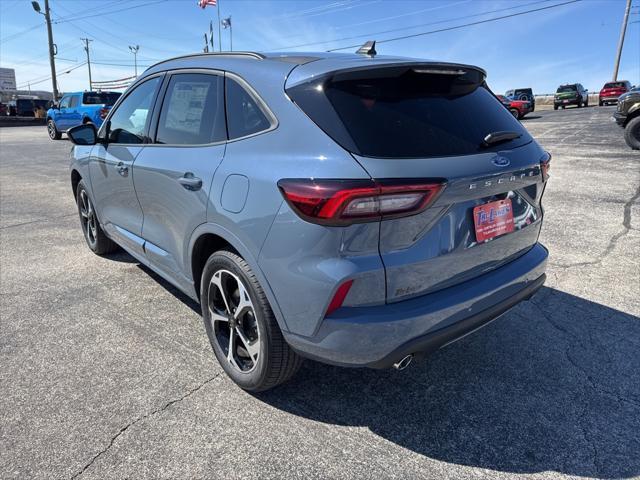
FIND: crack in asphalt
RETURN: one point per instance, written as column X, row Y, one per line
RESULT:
column 595, row 386
column 141, row 418
column 626, row 224
column 37, row 221
column 583, row 415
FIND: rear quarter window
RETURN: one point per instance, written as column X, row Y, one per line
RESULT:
column 244, row 113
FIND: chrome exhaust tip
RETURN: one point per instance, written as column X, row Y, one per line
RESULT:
column 404, row 363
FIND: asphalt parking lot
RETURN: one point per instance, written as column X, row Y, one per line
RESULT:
column 106, row 372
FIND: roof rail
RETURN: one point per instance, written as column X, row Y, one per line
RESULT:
column 256, row 55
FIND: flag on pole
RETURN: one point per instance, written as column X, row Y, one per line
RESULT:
column 205, row 3
column 226, row 23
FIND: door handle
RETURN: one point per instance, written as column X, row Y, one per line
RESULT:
column 190, row 182
column 122, row 169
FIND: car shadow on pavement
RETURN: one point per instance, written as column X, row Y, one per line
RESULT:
column 554, row 385
column 530, row 117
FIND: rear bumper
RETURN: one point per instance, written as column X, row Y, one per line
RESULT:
column 380, row 336
column 572, row 101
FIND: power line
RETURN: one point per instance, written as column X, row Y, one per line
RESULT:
column 36, row 81
column 66, row 19
column 446, row 20
column 460, row 26
column 21, row 32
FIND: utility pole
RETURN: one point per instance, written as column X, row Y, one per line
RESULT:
column 134, row 50
column 86, row 49
column 52, row 46
column 220, row 28
column 623, row 31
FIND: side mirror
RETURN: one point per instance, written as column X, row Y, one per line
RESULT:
column 55, row 106
column 85, row 134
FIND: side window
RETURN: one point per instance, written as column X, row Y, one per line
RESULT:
column 244, row 116
column 64, row 103
column 129, row 121
column 192, row 110
column 73, row 103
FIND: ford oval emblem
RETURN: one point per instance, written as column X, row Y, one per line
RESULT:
column 501, row 161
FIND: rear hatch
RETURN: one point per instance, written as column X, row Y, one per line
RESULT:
column 613, row 90
column 428, row 123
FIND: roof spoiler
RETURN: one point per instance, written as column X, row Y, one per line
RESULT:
column 369, row 48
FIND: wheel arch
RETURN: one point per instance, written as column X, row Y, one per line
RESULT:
column 209, row 238
column 633, row 113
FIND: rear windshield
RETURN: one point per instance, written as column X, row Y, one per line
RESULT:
column 614, row 85
column 566, row 88
column 99, row 98
column 401, row 112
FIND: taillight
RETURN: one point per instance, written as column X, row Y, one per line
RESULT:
column 343, row 202
column 545, row 166
column 103, row 113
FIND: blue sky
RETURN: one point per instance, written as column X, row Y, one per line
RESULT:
column 570, row 43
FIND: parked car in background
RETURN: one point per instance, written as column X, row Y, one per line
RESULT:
column 627, row 115
column 382, row 208
column 522, row 94
column 612, row 90
column 78, row 108
column 518, row 108
column 571, row 94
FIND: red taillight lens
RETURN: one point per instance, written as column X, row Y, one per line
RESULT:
column 545, row 166
column 342, row 202
column 103, row 113
column 338, row 297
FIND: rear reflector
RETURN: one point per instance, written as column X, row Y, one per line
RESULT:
column 545, row 166
column 338, row 298
column 343, row 202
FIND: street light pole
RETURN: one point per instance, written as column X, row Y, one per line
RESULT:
column 623, row 31
column 52, row 46
column 86, row 49
column 134, row 50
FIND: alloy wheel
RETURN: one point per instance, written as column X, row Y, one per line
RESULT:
column 51, row 129
column 233, row 321
column 88, row 218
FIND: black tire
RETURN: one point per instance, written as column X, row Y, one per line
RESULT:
column 276, row 361
column 600, row 104
column 580, row 103
column 563, row 107
column 632, row 133
column 586, row 103
column 555, row 107
column 95, row 237
column 52, row 130
column 515, row 113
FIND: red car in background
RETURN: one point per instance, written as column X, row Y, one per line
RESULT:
column 612, row 90
column 518, row 108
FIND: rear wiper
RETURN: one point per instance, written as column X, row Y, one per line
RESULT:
column 498, row 137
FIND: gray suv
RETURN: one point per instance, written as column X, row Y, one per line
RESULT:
column 353, row 209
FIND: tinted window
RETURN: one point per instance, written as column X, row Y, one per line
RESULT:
column 244, row 116
column 407, row 111
column 100, row 98
column 128, row 123
column 64, row 103
column 73, row 103
column 566, row 88
column 192, row 110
